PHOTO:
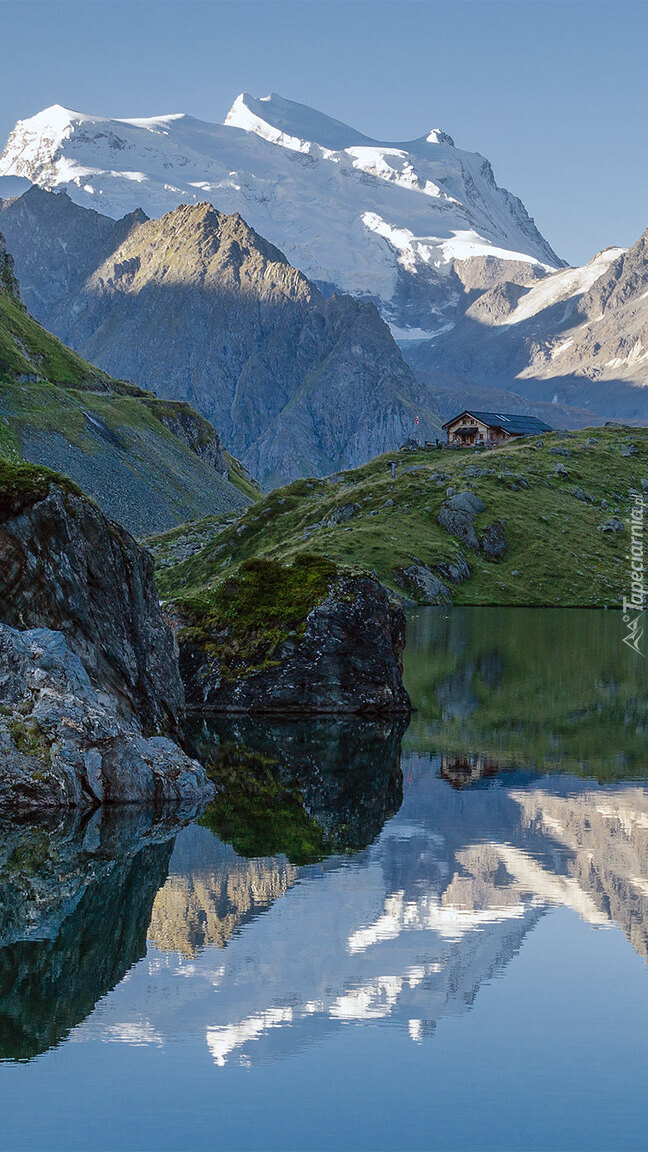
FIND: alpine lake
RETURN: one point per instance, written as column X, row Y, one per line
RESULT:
column 379, row 936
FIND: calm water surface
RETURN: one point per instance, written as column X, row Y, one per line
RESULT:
column 377, row 939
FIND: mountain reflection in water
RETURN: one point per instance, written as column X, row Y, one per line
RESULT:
column 340, row 878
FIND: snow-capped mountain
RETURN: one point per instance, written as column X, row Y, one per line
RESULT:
column 577, row 338
column 409, row 225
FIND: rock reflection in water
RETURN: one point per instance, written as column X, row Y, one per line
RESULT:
column 305, row 787
column 75, row 903
column 294, row 792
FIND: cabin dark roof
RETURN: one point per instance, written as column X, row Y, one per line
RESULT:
column 508, row 421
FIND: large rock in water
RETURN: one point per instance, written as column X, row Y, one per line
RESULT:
column 345, row 657
column 64, row 566
column 89, row 681
column 62, row 746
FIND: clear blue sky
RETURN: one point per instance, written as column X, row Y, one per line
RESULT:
column 554, row 93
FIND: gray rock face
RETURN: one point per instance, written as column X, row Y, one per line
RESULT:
column 199, row 307
column 456, row 570
column 424, row 585
column 197, row 434
column 575, row 345
column 64, row 566
column 614, row 524
column 581, row 495
column 342, row 514
column 62, row 745
column 8, row 282
column 457, row 515
column 349, row 659
column 494, row 541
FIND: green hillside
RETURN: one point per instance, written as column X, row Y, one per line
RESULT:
column 563, row 500
column 150, row 464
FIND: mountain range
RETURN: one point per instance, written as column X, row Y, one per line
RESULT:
column 282, row 347
column 198, row 307
column 407, row 225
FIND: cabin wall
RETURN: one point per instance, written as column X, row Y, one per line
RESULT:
column 481, row 436
column 484, row 434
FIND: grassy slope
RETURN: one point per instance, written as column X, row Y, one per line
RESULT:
column 55, row 408
column 27, row 349
column 556, row 554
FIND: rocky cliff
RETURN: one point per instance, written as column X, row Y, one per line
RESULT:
column 63, row 565
column 63, row 743
column 89, row 684
column 307, row 639
column 198, row 306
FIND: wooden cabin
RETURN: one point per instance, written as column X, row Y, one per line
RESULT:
column 474, row 429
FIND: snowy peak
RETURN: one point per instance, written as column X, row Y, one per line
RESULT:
column 279, row 120
column 395, row 222
column 296, row 125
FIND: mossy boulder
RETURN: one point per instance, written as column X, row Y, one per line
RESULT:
column 305, row 638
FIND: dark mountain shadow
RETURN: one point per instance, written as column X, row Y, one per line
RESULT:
column 75, row 903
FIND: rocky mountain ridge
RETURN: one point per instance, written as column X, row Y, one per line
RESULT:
column 199, row 307
column 150, row 463
column 575, row 340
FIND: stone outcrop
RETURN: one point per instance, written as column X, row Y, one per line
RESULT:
column 457, row 515
column 494, row 541
column 61, row 745
column 8, row 282
column 64, row 566
column 193, row 431
column 423, row 584
column 347, row 659
column 90, row 689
